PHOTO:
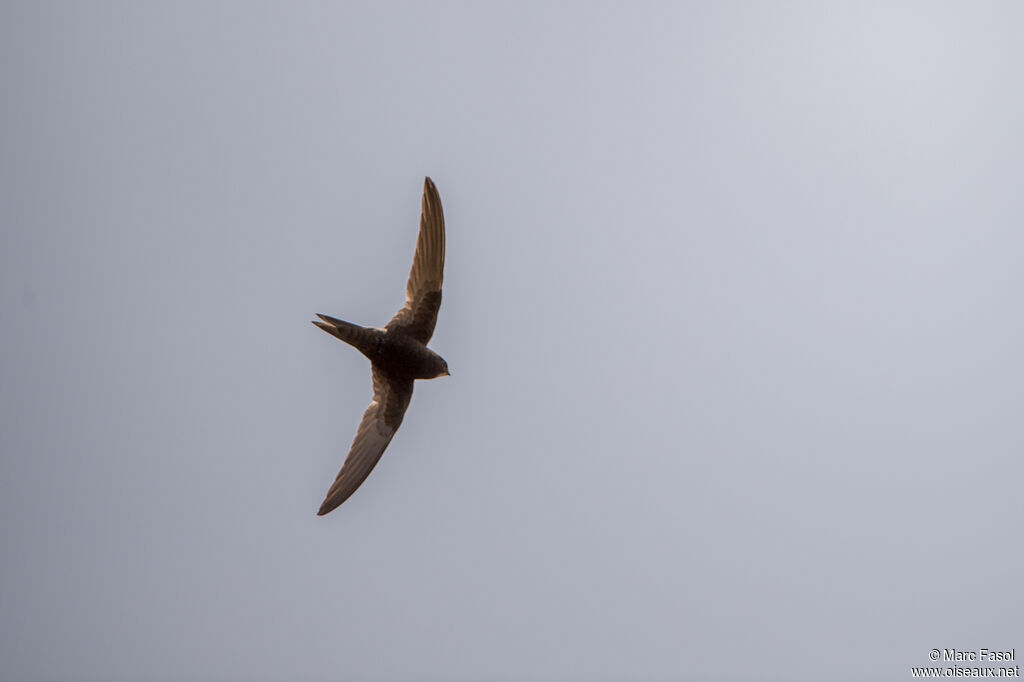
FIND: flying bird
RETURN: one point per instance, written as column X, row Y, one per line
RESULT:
column 398, row 353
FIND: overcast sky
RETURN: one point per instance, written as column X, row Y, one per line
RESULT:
column 732, row 309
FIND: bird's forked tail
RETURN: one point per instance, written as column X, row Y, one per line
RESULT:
column 364, row 339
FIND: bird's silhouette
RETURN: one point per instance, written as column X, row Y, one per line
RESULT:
column 398, row 353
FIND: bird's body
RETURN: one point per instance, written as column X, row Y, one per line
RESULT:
column 394, row 352
column 398, row 353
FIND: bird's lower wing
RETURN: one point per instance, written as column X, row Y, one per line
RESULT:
column 380, row 422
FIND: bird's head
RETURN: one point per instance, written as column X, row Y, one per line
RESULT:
column 437, row 367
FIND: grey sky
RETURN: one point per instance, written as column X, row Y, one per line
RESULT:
column 732, row 309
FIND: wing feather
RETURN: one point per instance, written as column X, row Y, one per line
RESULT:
column 380, row 422
column 423, row 290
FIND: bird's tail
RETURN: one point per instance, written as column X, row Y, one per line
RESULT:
column 362, row 338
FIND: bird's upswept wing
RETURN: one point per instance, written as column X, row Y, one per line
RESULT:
column 423, row 291
column 380, row 421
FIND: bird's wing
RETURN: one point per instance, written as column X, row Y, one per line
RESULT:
column 380, row 421
column 423, row 292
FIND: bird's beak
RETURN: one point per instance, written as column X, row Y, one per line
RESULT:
column 446, row 373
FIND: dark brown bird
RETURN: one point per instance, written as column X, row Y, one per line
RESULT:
column 398, row 353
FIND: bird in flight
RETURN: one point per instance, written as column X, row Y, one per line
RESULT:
column 398, row 353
